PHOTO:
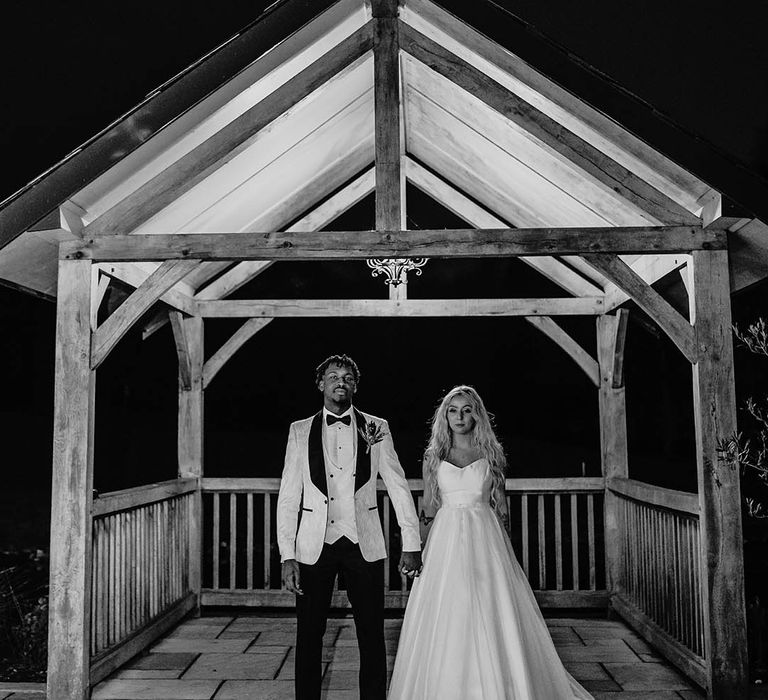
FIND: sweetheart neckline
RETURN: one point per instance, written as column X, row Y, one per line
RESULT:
column 451, row 464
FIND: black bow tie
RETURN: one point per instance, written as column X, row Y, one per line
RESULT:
column 330, row 420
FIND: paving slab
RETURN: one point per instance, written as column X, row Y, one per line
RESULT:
column 205, row 621
column 617, row 652
column 279, row 638
column 239, row 634
column 608, row 685
column 698, row 695
column 251, row 690
column 119, row 689
column 268, row 649
column 647, row 676
column 140, row 674
column 564, row 635
column 255, row 624
column 202, row 646
column 340, row 680
column 162, row 661
column 235, row 667
column 587, row 671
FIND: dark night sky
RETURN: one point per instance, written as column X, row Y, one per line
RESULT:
column 72, row 68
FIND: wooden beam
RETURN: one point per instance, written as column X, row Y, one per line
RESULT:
column 190, row 443
column 714, row 405
column 234, row 138
column 72, row 488
column 99, row 286
column 326, row 212
column 648, row 299
column 719, row 211
column 359, row 245
column 182, row 349
column 650, row 268
column 611, row 331
column 228, row 349
column 580, row 356
column 120, row 322
column 478, row 216
column 360, row 308
column 390, row 183
column 179, row 297
column 550, row 133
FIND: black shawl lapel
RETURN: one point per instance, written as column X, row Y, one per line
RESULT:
column 315, row 454
column 363, row 466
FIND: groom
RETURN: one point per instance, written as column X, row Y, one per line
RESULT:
column 329, row 479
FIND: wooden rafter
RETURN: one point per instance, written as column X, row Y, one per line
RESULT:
column 650, row 268
column 553, row 135
column 230, row 347
column 647, row 298
column 578, row 354
column 119, row 323
column 474, row 214
column 321, row 216
column 204, row 159
column 359, row 245
column 356, row 308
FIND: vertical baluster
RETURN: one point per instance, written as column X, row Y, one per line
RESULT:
column 591, row 538
column 216, row 515
column 120, row 576
column 134, row 571
column 642, row 542
column 542, row 543
column 525, row 535
column 232, row 540
column 94, row 586
column 575, row 540
column 699, row 584
column 387, row 562
column 267, row 541
column 249, row 540
column 558, row 545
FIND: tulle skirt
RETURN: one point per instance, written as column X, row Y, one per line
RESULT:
column 472, row 628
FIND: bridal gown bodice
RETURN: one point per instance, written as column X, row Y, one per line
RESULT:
column 472, row 629
column 463, row 487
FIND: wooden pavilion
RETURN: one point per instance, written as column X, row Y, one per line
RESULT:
column 231, row 167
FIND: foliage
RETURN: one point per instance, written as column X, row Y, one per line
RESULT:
column 24, row 618
column 751, row 451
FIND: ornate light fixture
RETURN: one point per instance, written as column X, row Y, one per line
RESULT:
column 396, row 269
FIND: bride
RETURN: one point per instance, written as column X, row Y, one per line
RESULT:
column 472, row 629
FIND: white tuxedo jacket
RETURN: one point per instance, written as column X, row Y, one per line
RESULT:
column 303, row 488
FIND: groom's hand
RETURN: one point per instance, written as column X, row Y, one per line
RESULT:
column 291, row 576
column 410, row 564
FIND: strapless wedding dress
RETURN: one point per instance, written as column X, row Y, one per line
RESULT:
column 472, row 629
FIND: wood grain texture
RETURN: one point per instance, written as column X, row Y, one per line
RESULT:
column 119, row 323
column 659, row 309
column 204, row 159
column 126, row 499
column 359, row 245
column 182, row 349
column 179, row 297
column 719, row 489
column 545, row 129
column 580, row 356
column 613, row 436
column 214, row 364
column 72, row 488
column 481, row 218
column 411, row 308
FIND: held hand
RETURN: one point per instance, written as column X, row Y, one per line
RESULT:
column 410, row 564
column 290, row 571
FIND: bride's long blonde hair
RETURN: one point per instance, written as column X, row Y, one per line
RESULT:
column 483, row 437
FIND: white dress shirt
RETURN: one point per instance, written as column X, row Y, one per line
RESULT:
column 340, row 462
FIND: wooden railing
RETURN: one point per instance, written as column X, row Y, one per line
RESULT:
column 555, row 527
column 658, row 588
column 141, row 569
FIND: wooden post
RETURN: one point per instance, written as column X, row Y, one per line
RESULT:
column 390, row 182
column 611, row 331
column 70, row 572
column 714, row 406
column 190, row 433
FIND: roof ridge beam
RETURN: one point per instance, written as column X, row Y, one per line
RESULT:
column 549, row 132
column 204, row 159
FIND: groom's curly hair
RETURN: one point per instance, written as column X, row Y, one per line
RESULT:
column 341, row 361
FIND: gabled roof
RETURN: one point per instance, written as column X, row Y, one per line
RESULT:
column 275, row 129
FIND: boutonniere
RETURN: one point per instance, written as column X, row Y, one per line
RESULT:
column 372, row 433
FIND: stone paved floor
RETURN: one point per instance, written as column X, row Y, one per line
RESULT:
column 228, row 658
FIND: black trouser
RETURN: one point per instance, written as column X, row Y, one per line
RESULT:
column 365, row 588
